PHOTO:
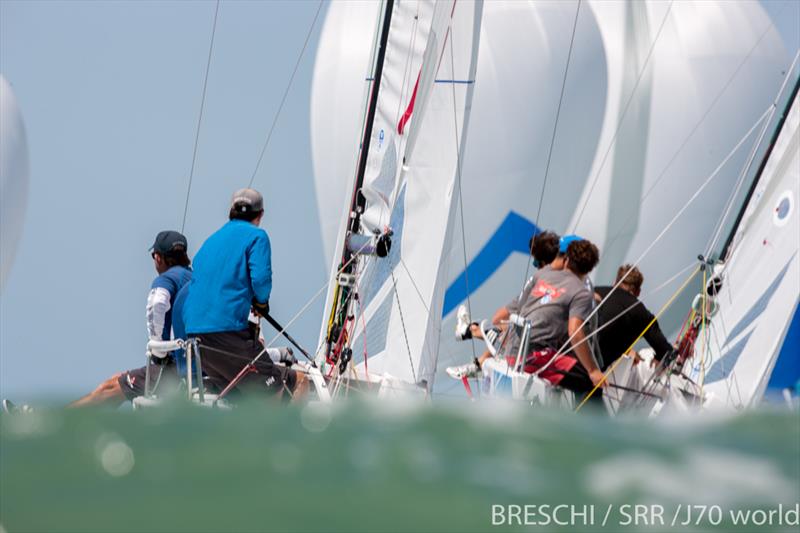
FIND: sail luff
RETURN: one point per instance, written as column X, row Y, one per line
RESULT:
column 759, row 172
column 760, row 277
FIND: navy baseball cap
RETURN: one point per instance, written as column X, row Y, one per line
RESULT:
column 564, row 242
column 169, row 241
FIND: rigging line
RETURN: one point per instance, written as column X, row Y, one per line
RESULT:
column 553, row 138
column 458, row 180
column 597, row 331
column 655, row 319
column 720, row 319
column 419, row 293
column 200, row 117
column 558, row 114
column 622, row 116
column 286, row 93
column 746, row 169
column 692, row 132
column 403, row 326
column 670, row 224
column 314, row 298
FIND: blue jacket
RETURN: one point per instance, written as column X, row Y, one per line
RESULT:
column 231, row 269
column 172, row 281
column 179, row 327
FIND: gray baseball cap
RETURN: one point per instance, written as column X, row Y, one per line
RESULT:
column 245, row 200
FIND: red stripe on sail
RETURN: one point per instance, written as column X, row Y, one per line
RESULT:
column 410, row 109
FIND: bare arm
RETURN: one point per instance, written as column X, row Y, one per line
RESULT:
column 581, row 348
column 501, row 316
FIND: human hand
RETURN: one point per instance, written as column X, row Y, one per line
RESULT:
column 598, row 378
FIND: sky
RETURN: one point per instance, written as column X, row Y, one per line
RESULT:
column 110, row 92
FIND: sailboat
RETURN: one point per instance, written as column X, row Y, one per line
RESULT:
column 13, row 177
column 651, row 102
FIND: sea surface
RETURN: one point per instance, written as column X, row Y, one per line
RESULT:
column 395, row 467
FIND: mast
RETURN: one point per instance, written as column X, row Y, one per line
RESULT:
column 729, row 241
column 340, row 302
column 358, row 201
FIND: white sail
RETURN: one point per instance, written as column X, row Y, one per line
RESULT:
column 411, row 171
column 13, row 177
column 524, row 48
column 761, row 282
column 640, row 125
column 338, row 92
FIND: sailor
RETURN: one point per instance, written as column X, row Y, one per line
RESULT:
column 623, row 317
column 232, row 274
column 557, row 304
column 544, row 248
column 171, row 261
column 563, row 243
column 591, row 326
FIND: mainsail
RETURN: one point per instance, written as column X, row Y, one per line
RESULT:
column 386, row 311
column 760, row 278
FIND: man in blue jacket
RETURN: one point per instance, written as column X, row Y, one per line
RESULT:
column 232, row 273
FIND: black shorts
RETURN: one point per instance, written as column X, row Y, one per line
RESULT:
column 224, row 354
column 132, row 381
column 577, row 380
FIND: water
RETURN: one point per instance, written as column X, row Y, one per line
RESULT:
column 383, row 467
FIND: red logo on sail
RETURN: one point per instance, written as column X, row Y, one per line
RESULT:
column 410, row 109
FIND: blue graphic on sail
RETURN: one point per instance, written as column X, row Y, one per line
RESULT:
column 512, row 236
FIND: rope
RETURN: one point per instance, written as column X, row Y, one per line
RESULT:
column 553, row 137
column 622, row 116
column 655, row 319
column 693, row 130
column 403, row 325
column 558, row 114
column 458, row 183
column 597, row 331
column 746, row 169
column 704, row 330
column 285, row 94
column 667, row 227
column 200, row 117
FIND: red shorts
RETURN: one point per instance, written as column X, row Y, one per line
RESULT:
column 555, row 372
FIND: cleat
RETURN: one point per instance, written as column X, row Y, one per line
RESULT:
column 470, row 370
column 463, row 324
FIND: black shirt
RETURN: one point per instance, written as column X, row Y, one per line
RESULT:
column 619, row 332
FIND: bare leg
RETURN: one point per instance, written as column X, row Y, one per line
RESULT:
column 108, row 393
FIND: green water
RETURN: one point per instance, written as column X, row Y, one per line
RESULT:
column 383, row 468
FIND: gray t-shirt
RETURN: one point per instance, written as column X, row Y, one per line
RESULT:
column 550, row 298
